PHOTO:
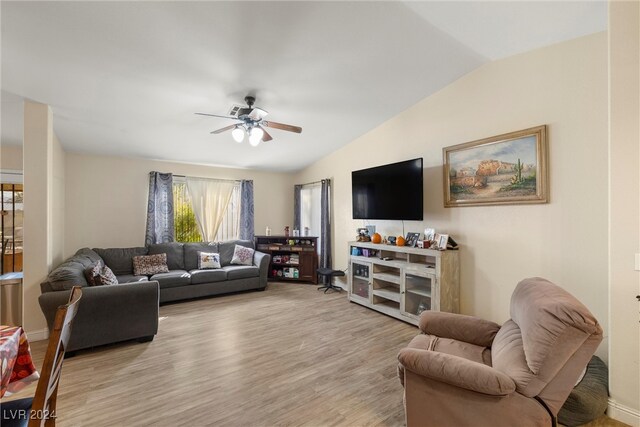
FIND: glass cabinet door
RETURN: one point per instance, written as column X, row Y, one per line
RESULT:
column 360, row 275
column 417, row 294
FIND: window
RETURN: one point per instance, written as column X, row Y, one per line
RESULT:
column 185, row 224
column 310, row 210
column 184, row 220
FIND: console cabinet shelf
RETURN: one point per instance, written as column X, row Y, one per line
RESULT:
column 402, row 282
column 292, row 258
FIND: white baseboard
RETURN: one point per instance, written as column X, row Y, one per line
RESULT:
column 623, row 413
column 38, row 335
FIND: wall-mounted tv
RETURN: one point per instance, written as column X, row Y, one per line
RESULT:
column 392, row 191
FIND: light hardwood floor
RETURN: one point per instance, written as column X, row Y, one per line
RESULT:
column 288, row 356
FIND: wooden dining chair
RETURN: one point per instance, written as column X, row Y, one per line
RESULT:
column 41, row 409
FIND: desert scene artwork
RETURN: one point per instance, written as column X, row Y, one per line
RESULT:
column 495, row 171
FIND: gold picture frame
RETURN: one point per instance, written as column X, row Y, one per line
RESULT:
column 505, row 169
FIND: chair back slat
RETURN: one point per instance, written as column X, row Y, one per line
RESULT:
column 43, row 408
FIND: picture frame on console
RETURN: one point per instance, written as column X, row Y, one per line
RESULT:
column 429, row 234
column 505, row 169
column 441, row 241
column 412, row 239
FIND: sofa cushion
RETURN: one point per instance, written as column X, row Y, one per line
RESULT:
column 226, row 249
column 242, row 256
column 527, row 347
column 191, row 253
column 468, row 351
column 544, row 312
column 67, row 275
column 120, row 260
column 129, row 278
column 208, row 260
column 87, row 257
column 99, row 274
column 172, row 279
column 150, row 264
column 207, row 276
column 241, row 271
column 174, row 251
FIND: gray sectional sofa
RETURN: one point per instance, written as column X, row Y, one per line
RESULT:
column 129, row 310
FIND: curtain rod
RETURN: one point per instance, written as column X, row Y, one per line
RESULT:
column 315, row 182
column 210, row 179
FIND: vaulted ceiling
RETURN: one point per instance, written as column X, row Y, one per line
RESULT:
column 124, row 78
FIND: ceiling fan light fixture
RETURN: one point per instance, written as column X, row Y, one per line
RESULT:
column 255, row 136
column 238, row 134
column 252, row 123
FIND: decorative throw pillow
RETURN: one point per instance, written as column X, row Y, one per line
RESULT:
column 208, row 260
column 99, row 274
column 91, row 272
column 148, row 265
column 242, row 256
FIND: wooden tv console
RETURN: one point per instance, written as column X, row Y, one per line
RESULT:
column 403, row 281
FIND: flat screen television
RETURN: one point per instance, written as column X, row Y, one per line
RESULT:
column 392, row 191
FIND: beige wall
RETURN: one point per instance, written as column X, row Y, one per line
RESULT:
column 44, row 207
column 107, row 198
column 38, row 223
column 624, row 226
column 58, row 202
column 563, row 86
column 11, row 157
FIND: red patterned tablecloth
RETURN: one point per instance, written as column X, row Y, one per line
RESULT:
column 16, row 365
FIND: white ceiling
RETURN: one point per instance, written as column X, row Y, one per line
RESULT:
column 124, row 78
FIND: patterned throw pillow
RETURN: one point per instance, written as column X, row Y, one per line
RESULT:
column 242, row 256
column 208, row 260
column 148, row 265
column 99, row 275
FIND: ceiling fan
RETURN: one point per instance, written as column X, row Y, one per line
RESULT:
column 251, row 122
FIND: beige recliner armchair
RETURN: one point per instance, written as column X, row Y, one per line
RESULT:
column 465, row 371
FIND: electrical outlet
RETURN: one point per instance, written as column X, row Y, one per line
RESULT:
column 637, row 262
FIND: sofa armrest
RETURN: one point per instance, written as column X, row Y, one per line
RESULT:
column 108, row 314
column 457, row 371
column 261, row 260
column 459, row 327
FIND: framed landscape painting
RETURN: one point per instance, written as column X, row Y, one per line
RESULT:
column 503, row 169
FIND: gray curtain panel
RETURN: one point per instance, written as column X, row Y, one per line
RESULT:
column 246, row 210
column 160, row 209
column 296, row 207
column 325, row 224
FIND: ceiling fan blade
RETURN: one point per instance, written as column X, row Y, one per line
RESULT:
column 216, row 115
column 282, row 126
column 266, row 137
column 224, row 129
column 257, row 114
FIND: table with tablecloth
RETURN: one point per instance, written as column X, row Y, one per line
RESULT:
column 16, row 364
